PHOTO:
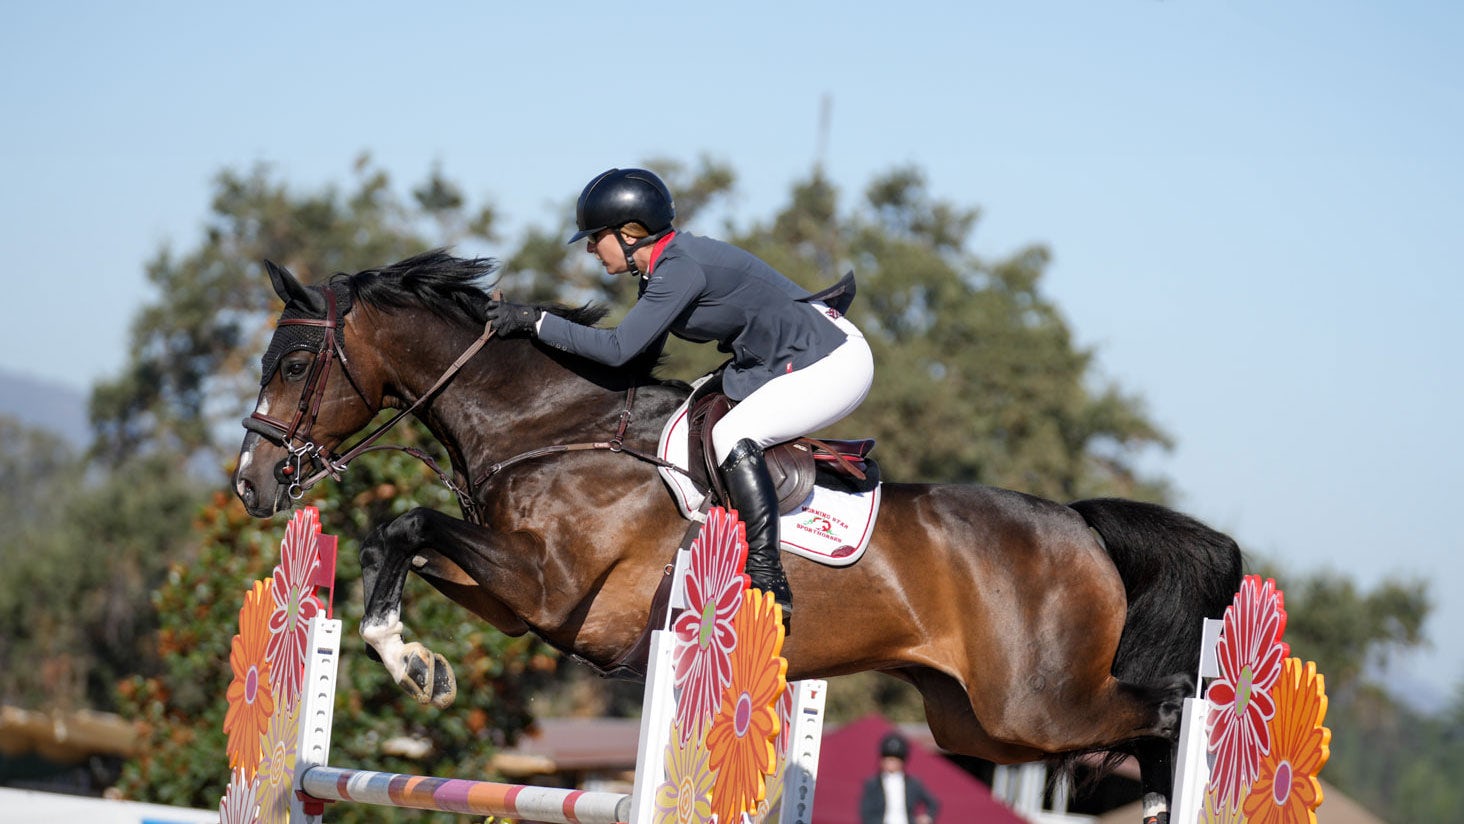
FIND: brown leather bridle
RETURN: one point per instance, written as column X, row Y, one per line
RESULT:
column 308, row 409
column 294, row 435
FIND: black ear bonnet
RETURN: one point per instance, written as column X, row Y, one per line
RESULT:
column 290, row 337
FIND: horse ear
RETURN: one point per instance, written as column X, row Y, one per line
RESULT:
column 291, row 290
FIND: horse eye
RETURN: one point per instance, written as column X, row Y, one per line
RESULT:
column 295, row 368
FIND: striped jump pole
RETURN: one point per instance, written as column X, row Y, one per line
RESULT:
column 316, row 783
column 453, row 795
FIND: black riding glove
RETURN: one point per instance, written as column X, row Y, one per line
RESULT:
column 510, row 319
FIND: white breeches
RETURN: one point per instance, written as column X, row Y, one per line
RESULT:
column 793, row 405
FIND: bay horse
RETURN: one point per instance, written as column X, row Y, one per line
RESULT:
column 1032, row 629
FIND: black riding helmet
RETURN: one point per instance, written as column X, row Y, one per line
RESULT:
column 894, row 745
column 622, row 196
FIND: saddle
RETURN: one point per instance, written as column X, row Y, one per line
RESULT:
column 794, row 465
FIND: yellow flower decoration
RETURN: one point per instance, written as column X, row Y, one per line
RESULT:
column 277, row 767
column 1287, row 790
column 251, row 693
column 1216, row 812
column 741, row 738
column 686, row 795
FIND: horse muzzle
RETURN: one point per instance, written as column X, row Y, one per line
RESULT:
column 268, row 473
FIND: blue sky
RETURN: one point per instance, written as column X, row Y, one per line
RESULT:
column 1251, row 205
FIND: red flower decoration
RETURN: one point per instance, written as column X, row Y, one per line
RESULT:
column 704, row 632
column 1250, row 653
column 295, row 604
column 785, row 718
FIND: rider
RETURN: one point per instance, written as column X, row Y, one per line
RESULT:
column 797, row 363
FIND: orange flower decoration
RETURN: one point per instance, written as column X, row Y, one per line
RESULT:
column 1287, row 790
column 741, row 738
column 250, row 695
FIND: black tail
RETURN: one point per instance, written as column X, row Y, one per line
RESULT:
column 1176, row 571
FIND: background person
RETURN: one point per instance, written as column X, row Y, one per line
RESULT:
column 891, row 796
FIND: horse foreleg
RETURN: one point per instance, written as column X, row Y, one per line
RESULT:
column 386, row 558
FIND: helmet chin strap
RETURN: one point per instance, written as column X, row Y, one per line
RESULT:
column 629, row 249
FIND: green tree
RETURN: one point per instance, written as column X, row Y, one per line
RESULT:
column 80, row 556
column 34, row 466
column 38, row 471
column 1397, row 762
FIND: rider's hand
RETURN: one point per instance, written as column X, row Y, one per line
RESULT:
column 512, row 318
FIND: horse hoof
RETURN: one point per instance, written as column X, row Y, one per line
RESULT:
column 428, row 677
column 444, row 683
column 419, row 672
column 417, row 678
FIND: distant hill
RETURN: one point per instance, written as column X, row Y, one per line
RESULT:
column 45, row 405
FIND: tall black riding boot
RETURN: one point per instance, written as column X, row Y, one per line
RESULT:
column 750, row 488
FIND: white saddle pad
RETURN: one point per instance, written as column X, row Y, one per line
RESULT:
column 830, row 526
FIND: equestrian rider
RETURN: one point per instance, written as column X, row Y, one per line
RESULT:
column 797, row 364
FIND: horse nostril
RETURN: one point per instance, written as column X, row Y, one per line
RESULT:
column 247, row 494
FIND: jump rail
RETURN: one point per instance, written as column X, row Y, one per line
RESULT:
column 316, row 783
column 546, row 804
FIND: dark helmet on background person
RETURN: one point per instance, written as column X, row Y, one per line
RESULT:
column 621, row 196
column 894, row 745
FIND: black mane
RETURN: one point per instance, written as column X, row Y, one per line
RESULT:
column 449, row 286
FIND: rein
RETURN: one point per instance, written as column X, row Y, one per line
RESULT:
column 334, row 467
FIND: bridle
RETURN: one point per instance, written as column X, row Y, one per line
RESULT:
column 308, row 409
column 294, row 435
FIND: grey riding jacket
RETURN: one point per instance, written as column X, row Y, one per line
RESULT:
column 702, row 289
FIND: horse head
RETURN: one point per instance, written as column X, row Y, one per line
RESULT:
column 309, row 401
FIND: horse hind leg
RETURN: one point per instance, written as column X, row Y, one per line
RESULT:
column 422, row 673
column 1155, row 750
column 1156, row 778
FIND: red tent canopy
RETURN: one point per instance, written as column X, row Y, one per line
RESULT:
column 850, row 754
